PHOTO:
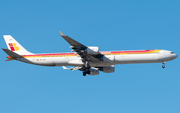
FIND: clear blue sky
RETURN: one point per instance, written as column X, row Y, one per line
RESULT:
column 111, row 25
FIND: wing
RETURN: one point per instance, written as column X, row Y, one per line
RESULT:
column 71, row 41
column 81, row 49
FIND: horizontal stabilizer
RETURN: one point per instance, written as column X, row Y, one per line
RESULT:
column 12, row 54
column 10, row 59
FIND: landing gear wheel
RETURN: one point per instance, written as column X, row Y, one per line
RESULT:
column 84, row 73
column 88, row 72
column 163, row 66
column 86, row 68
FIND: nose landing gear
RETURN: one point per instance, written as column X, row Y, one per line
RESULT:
column 163, row 66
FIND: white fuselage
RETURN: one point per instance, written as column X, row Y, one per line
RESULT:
column 110, row 58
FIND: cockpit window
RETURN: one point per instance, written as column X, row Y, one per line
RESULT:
column 172, row 52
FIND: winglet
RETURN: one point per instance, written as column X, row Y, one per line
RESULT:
column 62, row 34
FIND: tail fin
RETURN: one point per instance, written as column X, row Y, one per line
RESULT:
column 14, row 46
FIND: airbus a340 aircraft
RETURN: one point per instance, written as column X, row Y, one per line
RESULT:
column 86, row 58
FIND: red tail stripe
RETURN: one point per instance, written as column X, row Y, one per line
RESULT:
column 11, row 47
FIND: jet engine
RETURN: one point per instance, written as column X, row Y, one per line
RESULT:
column 93, row 71
column 108, row 69
column 92, row 50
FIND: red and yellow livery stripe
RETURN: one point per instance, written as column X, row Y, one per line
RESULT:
column 104, row 53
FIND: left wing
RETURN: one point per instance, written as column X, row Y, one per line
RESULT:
column 86, row 53
column 71, row 41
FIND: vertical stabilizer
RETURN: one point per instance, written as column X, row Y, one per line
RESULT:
column 14, row 46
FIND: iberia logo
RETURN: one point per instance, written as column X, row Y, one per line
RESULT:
column 13, row 47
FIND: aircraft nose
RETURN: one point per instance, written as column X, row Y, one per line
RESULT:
column 176, row 56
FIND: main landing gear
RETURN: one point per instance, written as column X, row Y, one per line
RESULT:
column 163, row 66
column 86, row 70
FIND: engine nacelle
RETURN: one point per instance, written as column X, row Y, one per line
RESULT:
column 108, row 69
column 92, row 50
column 94, row 71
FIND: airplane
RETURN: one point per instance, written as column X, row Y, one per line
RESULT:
column 87, row 59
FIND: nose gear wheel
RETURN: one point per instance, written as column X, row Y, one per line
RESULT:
column 163, row 66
